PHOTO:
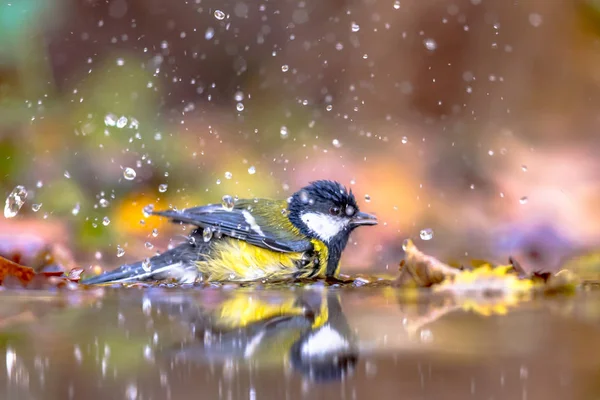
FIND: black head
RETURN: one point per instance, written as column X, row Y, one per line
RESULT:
column 326, row 210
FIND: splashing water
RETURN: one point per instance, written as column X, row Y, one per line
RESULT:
column 227, row 202
column 283, row 132
column 207, row 235
column 426, row 234
column 76, row 209
column 147, row 210
column 129, row 174
column 15, row 201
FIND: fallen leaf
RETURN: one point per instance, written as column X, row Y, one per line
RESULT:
column 421, row 270
column 9, row 268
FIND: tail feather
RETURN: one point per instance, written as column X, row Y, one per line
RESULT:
column 178, row 263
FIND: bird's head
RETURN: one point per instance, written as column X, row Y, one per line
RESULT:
column 325, row 210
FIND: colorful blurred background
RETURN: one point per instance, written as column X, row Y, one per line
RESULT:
column 470, row 126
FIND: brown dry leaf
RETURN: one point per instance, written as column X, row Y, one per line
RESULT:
column 9, row 268
column 421, row 270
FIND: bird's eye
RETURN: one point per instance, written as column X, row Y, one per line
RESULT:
column 350, row 211
column 334, row 211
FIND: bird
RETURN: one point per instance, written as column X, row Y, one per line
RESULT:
column 244, row 240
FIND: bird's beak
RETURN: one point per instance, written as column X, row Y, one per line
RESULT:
column 362, row 218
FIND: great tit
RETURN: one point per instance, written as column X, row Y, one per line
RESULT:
column 256, row 239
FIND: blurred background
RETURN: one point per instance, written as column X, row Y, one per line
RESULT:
column 470, row 126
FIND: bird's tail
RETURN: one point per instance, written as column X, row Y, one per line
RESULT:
column 178, row 264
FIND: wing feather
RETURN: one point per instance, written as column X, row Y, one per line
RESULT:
column 248, row 221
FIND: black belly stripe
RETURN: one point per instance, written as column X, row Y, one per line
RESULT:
column 316, row 266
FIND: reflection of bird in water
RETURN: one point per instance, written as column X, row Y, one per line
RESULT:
column 307, row 328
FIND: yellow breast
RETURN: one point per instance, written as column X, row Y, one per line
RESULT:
column 235, row 260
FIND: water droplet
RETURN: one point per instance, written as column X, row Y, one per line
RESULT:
column 148, row 245
column 396, row 5
column 110, row 120
column 76, row 209
column 367, row 198
column 336, row 143
column 120, row 251
column 535, row 19
column 209, row 34
column 163, row 187
column 39, row 184
column 228, row 175
column 239, row 107
column 146, row 265
column 430, row 44
column 404, row 140
column 283, row 132
column 207, row 234
column 36, row 207
column 121, row 122
column 220, row 15
column 104, row 203
column 238, row 96
column 426, row 234
column 129, row 174
column 120, row 62
column 285, row 68
column 15, row 201
column 426, row 336
column 67, row 175
column 147, row 210
column 523, row 200
column 355, row 27
column 524, row 168
column 134, row 123
column 105, row 221
column 405, row 244
column 154, row 232
column 227, row 202
column 252, row 170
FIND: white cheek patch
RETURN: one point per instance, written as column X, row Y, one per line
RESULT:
column 325, row 341
column 252, row 222
column 324, row 226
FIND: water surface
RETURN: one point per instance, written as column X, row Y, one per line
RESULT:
column 319, row 343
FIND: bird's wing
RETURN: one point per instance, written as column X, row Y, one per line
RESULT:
column 259, row 222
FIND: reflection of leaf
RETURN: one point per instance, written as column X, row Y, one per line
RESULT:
column 9, row 268
column 25, row 316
